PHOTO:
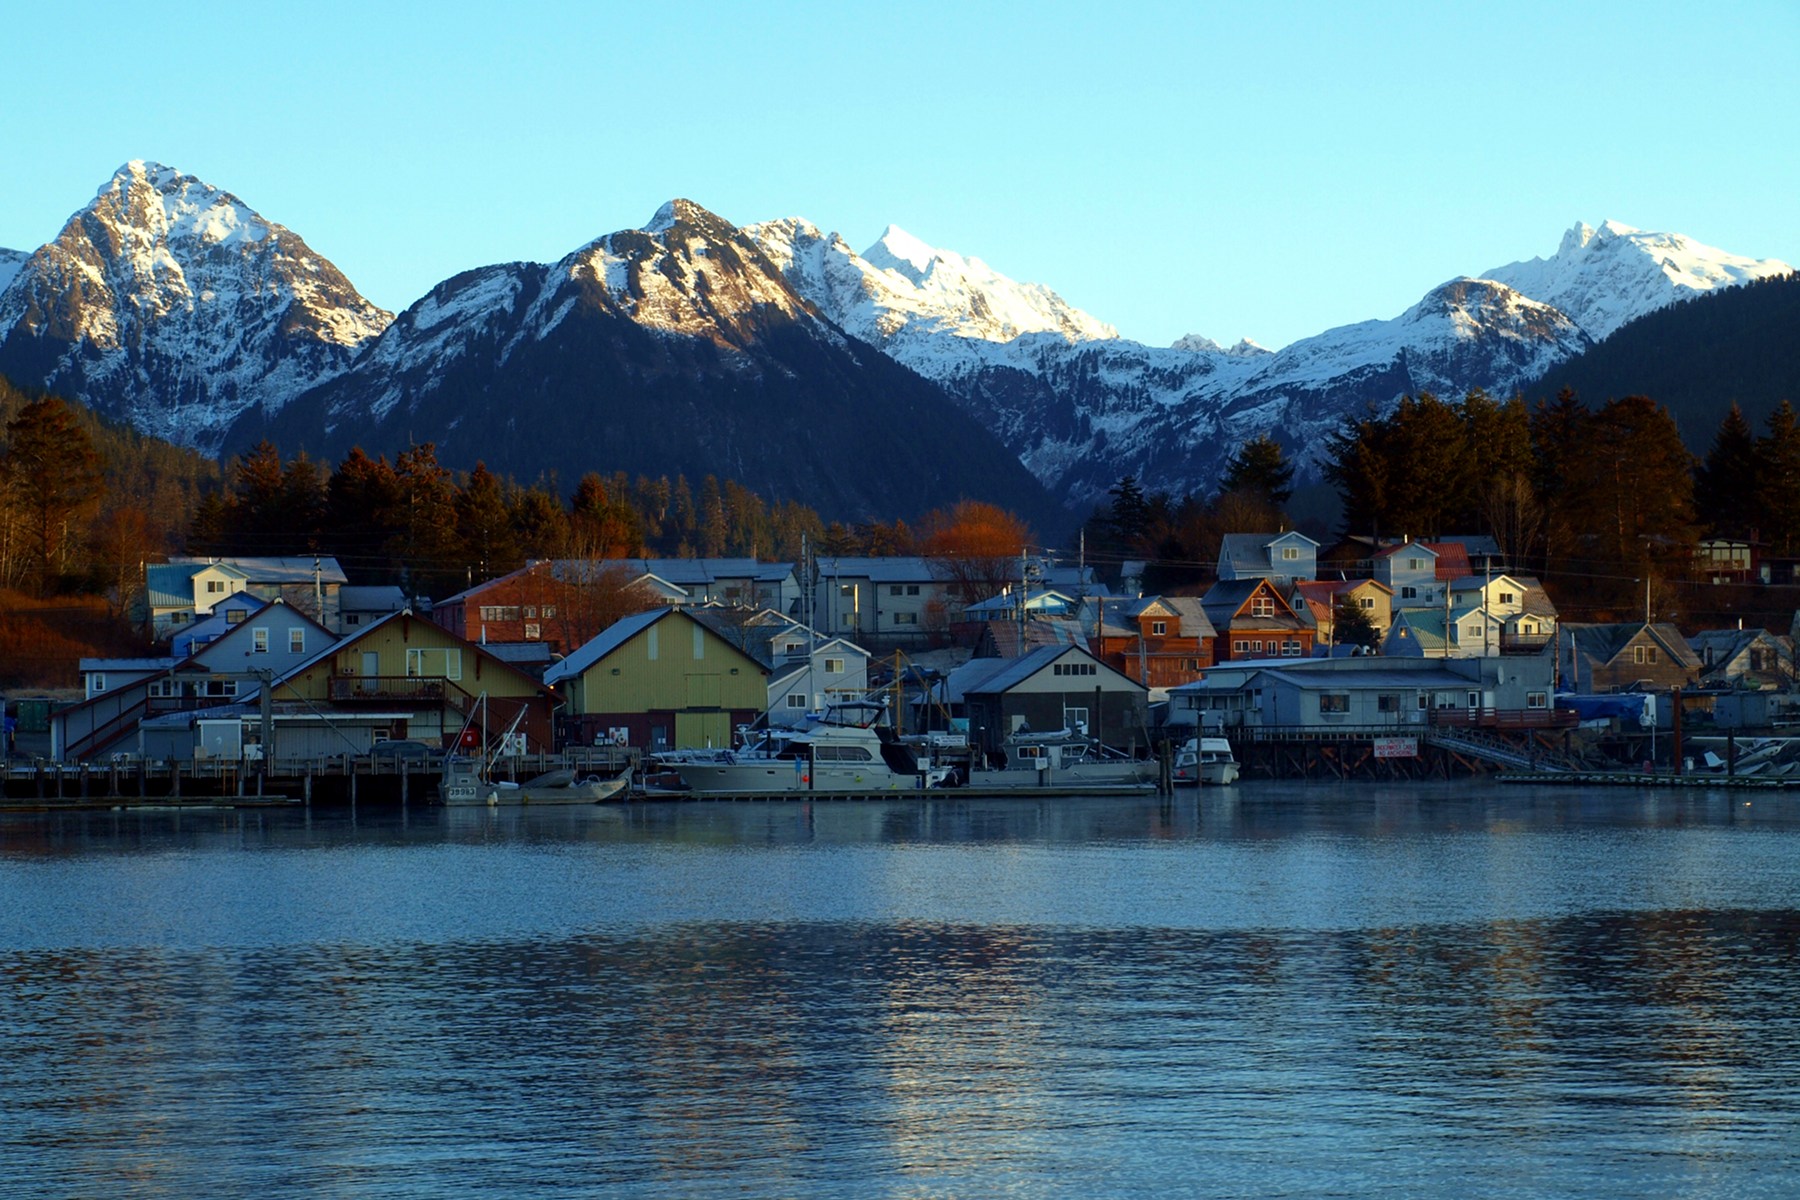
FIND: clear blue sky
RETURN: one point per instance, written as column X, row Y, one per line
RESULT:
column 1262, row 169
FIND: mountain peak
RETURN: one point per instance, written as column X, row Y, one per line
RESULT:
column 680, row 212
column 899, row 250
column 1607, row 276
column 173, row 302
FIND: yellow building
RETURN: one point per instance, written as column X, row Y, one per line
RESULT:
column 424, row 674
column 659, row 680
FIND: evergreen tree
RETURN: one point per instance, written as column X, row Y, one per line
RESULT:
column 1778, row 472
column 1727, row 483
column 1351, row 625
column 484, row 526
column 1260, row 468
column 52, row 474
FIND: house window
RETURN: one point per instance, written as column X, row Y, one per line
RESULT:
column 1075, row 718
column 906, row 618
column 1256, row 646
column 259, row 641
column 1262, row 606
column 1193, row 664
column 1409, row 593
column 234, row 617
column 531, row 631
column 97, row 681
column 1536, row 700
column 549, row 612
column 912, row 589
column 1334, row 702
column 531, row 612
column 1643, row 655
column 1240, row 647
column 1367, row 601
column 1507, row 598
column 846, row 589
column 214, row 586
column 795, row 647
column 1474, row 699
column 1158, row 628
column 1415, row 564
column 796, row 700
column 896, row 589
column 297, row 641
column 1290, row 553
column 834, row 666
column 353, row 618
column 1475, row 631
column 1387, row 702
column 1290, row 648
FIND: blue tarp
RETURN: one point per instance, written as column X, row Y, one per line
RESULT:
column 1622, row 706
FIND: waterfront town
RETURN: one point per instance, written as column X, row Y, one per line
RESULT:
column 1366, row 659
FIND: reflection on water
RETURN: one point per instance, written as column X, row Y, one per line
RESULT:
column 1306, row 991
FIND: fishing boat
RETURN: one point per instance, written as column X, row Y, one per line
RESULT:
column 1207, row 761
column 465, row 782
column 470, row 779
column 1061, row 761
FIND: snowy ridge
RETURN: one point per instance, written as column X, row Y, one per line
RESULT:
column 932, row 309
column 174, row 304
column 1604, row 278
column 686, row 275
column 11, row 262
column 1082, row 406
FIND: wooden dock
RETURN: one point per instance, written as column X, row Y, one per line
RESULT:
column 1641, row 779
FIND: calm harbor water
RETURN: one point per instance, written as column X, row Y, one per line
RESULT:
column 1271, row 990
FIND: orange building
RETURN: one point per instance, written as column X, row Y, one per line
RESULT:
column 1158, row 641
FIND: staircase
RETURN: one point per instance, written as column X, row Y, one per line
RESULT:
column 1486, row 746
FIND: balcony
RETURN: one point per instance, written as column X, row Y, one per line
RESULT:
column 1504, row 718
column 404, row 690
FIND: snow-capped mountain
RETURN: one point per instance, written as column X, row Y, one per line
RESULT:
column 673, row 349
column 1083, row 407
column 172, row 304
column 1604, row 278
column 10, row 263
column 931, row 309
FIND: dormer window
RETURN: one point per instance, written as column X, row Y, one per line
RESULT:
column 1158, row 628
column 1262, row 606
column 1290, row 553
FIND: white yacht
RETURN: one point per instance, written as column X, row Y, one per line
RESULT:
column 842, row 752
column 1206, row 760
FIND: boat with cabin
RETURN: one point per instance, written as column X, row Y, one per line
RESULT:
column 1062, row 761
column 843, row 751
column 1205, row 761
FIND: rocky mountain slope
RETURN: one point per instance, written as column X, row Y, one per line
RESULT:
column 1084, row 407
column 171, row 304
column 677, row 348
column 692, row 346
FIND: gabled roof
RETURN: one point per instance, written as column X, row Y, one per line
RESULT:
column 295, row 568
column 385, row 598
column 604, row 643
column 1005, row 636
column 898, row 568
column 683, row 572
column 1452, row 560
column 218, row 645
column 311, row 661
column 1397, row 547
column 1471, row 583
column 170, row 585
column 1225, row 598
column 126, row 664
column 1121, row 617
column 1604, row 643
column 1327, row 591
column 1018, row 670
